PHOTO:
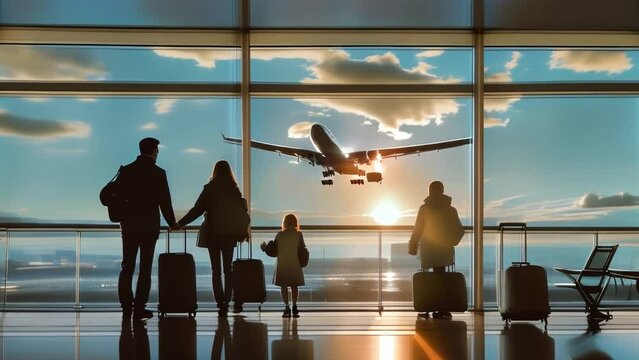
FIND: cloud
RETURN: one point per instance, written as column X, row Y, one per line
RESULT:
column 11, row 125
column 86, row 99
column 149, row 126
column 318, row 114
column 506, row 75
column 300, row 130
column 391, row 114
column 21, row 62
column 430, row 53
column 514, row 61
column 194, row 151
column 337, row 67
column 591, row 200
column 205, row 58
column 499, row 104
column 612, row 62
column 495, row 122
column 36, row 99
column 542, row 211
column 164, row 106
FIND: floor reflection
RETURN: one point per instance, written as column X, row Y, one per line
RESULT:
column 440, row 339
column 134, row 341
column 178, row 338
column 290, row 346
column 325, row 335
column 523, row 341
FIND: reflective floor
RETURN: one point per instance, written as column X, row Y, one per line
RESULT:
column 315, row 335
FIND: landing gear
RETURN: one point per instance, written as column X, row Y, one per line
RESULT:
column 328, row 173
column 357, row 181
column 327, row 182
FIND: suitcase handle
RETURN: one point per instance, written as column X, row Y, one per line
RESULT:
column 168, row 241
column 503, row 227
column 250, row 248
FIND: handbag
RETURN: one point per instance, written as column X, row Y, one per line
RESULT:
column 203, row 234
column 302, row 252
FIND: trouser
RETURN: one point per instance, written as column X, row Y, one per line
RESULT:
column 222, row 259
column 131, row 242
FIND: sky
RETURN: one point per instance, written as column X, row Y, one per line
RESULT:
column 562, row 161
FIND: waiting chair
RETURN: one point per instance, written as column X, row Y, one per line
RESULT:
column 592, row 281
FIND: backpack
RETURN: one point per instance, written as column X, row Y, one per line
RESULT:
column 231, row 218
column 442, row 226
column 114, row 201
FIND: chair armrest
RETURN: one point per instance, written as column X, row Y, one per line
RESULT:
column 567, row 271
column 632, row 275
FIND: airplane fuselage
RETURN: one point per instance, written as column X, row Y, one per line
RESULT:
column 334, row 155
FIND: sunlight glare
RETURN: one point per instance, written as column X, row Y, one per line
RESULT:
column 386, row 213
column 378, row 163
column 387, row 348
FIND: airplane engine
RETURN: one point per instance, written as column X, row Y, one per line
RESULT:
column 374, row 176
column 371, row 156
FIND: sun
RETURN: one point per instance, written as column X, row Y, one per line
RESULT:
column 386, row 213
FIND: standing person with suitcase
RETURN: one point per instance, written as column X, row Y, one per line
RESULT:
column 145, row 191
column 437, row 231
column 226, row 222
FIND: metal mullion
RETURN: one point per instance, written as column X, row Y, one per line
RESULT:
column 354, row 89
column 478, row 176
column 90, row 88
column 630, row 88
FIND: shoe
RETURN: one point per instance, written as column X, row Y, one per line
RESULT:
column 237, row 308
column 296, row 313
column 287, row 312
column 442, row 315
column 423, row 315
column 142, row 314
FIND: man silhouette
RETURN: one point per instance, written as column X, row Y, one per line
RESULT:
column 145, row 189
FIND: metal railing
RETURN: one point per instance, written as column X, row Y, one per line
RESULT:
column 351, row 266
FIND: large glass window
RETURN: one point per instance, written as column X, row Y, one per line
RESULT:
column 62, row 150
column 541, row 65
column 362, row 65
column 360, row 14
column 283, row 183
column 118, row 64
column 562, row 160
column 148, row 13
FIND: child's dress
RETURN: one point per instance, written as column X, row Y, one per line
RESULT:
column 288, row 271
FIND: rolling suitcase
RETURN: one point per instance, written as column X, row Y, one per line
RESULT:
column 249, row 285
column 178, row 338
column 523, row 288
column 176, row 292
column 439, row 291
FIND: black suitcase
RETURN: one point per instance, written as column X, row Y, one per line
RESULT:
column 525, row 342
column 436, row 339
column 249, row 285
column 176, row 290
column 439, row 291
column 178, row 338
column 523, row 288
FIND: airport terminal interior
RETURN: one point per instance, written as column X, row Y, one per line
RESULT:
column 343, row 113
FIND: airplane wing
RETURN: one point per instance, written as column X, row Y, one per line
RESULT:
column 316, row 158
column 364, row 156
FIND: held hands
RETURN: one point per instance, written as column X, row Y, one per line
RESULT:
column 263, row 246
column 175, row 227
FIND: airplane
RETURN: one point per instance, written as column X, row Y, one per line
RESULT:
column 330, row 155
